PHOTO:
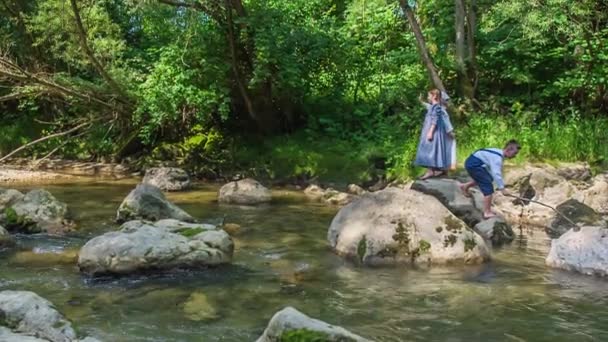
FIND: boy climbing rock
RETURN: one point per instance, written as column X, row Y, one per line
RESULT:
column 485, row 166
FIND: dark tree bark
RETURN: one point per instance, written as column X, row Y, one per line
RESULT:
column 465, row 85
column 421, row 44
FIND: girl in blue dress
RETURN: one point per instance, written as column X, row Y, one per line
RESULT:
column 436, row 149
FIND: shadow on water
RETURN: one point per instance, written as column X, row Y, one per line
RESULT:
column 282, row 258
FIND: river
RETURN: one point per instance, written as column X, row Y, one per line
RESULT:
column 282, row 258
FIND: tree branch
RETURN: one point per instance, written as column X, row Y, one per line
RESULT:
column 82, row 35
column 55, row 135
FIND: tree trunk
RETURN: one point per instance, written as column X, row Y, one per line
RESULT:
column 471, row 28
column 421, row 44
column 464, row 82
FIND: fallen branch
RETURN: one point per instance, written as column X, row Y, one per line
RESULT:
column 55, row 135
column 36, row 162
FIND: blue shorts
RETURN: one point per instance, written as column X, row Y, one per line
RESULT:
column 480, row 175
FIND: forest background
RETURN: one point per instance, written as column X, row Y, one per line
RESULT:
column 282, row 89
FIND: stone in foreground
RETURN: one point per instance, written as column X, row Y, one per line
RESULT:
column 585, row 251
column 36, row 212
column 167, row 178
column 290, row 323
column 469, row 210
column 167, row 244
column 246, row 191
column 147, row 202
column 26, row 312
column 396, row 226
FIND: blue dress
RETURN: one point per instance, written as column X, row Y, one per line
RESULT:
column 438, row 153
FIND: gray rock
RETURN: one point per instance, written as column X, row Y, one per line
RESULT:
column 496, row 230
column 6, row 335
column 27, row 313
column 577, row 212
column 141, row 246
column 147, row 202
column 37, row 212
column 291, row 321
column 396, row 226
column 8, row 197
column 470, row 210
column 167, row 178
column 578, row 172
column 6, row 240
column 245, row 191
column 329, row 195
column 585, row 251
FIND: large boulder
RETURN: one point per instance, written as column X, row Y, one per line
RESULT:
column 584, row 251
column 147, row 202
column 395, row 226
column 26, row 312
column 469, row 210
column 244, row 191
column 36, row 212
column 577, row 212
column 167, row 178
column 141, row 246
column 291, row 325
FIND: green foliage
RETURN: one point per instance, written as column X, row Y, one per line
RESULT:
column 304, row 335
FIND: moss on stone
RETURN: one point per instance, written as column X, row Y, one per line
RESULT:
column 362, row 248
column 190, row 232
column 305, row 335
column 16, row 222
column 424, row 246
column 469, row 244
column 453, row 224
column 449, row 240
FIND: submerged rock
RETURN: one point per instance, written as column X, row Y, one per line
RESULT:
column 577, row 212
column 141, row 246
column 167, row 178
column 198, row 308
column 36, row 212
column 26, row 312
column 469, row 210
column 291, row 325
column 50, row 259
column 395, row 226
column 245, row 191
column 585, row 251
column 147, row 202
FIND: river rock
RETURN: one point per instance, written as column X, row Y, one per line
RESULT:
column 38, row 258
column 291, row 325
column 198, row 308
column 576, row 172
column 167, row 178
column 6, row 239
column 26, row 312
column 8, row 197
column 244, row 191
column 354, row 189
column 585, row 251
column 147, row 202
column 596, row 196
column 395, row 226
column 577, row 212
column 37, row 212
column 542, row 184
column 329, row 195
column 469, row 210
column 141, row 246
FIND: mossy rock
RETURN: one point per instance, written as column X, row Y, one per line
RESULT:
column 305, row 335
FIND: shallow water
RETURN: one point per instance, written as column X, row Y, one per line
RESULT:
column 513, row 298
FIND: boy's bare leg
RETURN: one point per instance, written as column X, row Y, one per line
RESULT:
column 465, row 188
column 487, row 207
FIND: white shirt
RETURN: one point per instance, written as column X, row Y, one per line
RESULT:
column 493, row 162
